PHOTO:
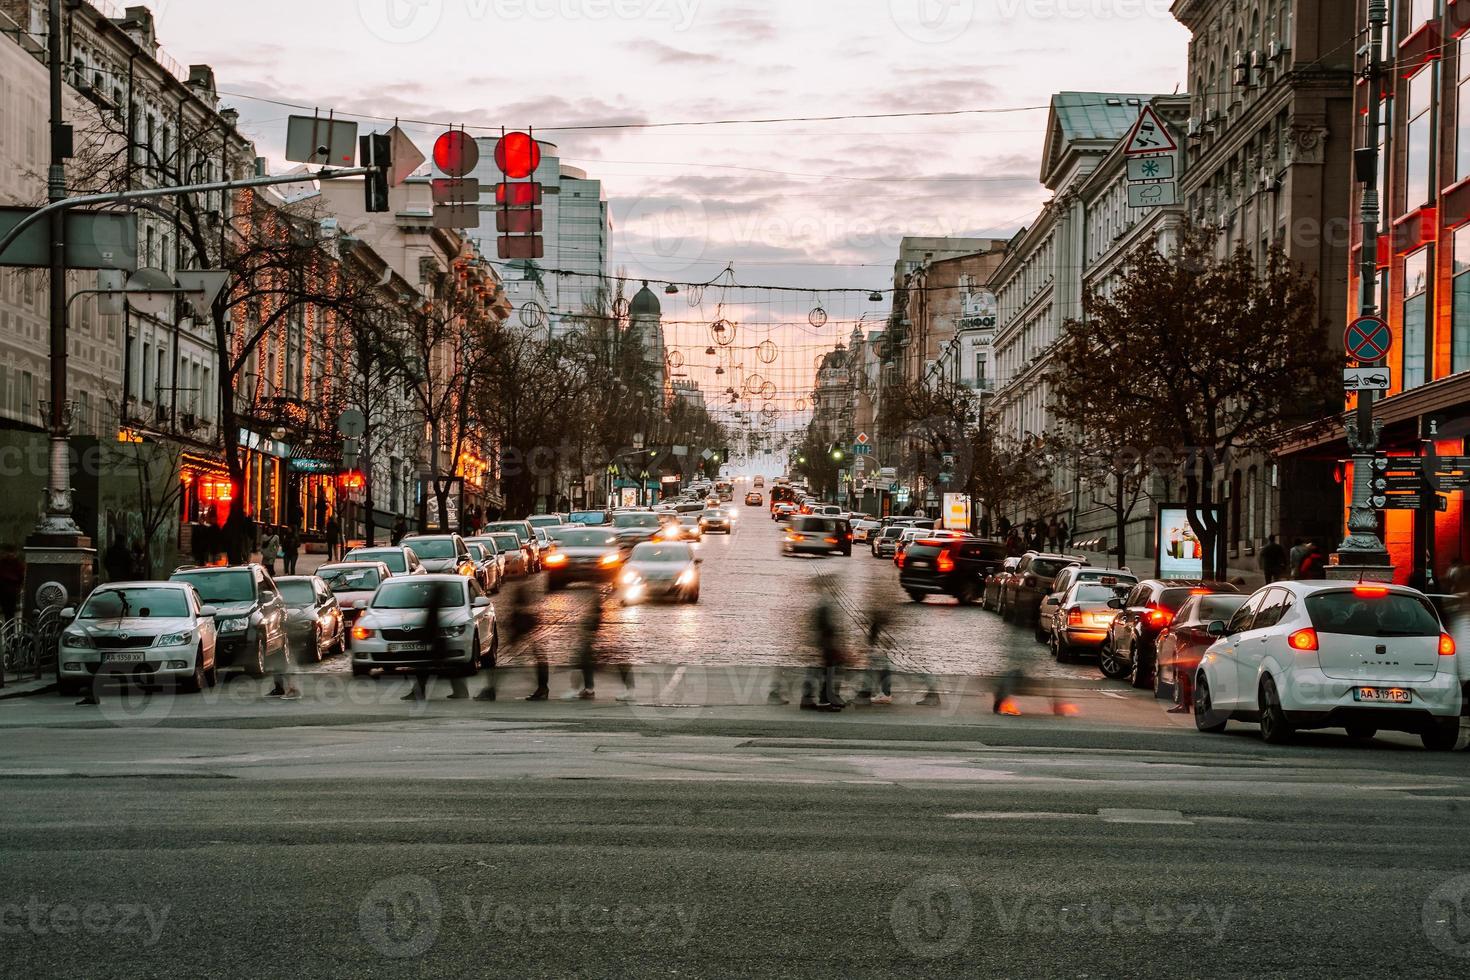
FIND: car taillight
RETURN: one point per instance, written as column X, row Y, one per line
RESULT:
column 830, row 540
column 1305, row 640
column 899, row 558
column 1446, row 645
column 1159, row 617
column 945, row 562
column 1074, row 618
column 1370, row 591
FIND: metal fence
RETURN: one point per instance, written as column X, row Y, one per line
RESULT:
column 28, row 645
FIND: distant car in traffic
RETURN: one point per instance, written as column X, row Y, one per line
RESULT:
column 995, row 584
column 948, row 566
column 1082, row 615
column 516, row 560
column 351, row 582
column 634, row 527
column 754, row 499
column 394, row 631
column 590, row 518
column 1316, row 654
column 489, row 567
column 547, row 521
column 585, row 554
column 314, row 619
column 1128, row 650
column 863, row 527
column 1032, row 582
column 442, row 553
column 1068, row 577
column 250, row 615
column 809, row 534
column 527, row 535
column 660, row 569
column 714, row 521
column 884, row 543
column 400, row 559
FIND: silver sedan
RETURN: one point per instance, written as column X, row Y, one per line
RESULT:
column 395, row 628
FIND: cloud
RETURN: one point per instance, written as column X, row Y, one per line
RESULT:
column 666, row 54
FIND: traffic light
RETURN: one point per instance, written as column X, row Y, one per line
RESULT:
column 837, row 453
column 457, row 195
column 518, row 216
column 375, row 150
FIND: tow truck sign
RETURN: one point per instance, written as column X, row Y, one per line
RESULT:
column 1364, row 379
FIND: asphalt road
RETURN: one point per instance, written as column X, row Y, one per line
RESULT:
column 698, row 831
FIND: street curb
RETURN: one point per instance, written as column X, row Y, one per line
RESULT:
column 6, row 694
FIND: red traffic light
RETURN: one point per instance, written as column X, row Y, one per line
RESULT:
column 456, row 153
column 518, row 195
column 517, row 155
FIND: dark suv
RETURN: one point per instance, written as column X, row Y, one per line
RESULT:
column 250, row 617
column 809, row 534
column 1130, row 648
column 949, row 566
column 1020, row 600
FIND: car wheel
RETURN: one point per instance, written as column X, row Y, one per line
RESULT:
column 317, row 653
column 1441, row 735
column 1163, row 690
column 1361, row 731
column 1108, row 662
column 967, row 594
column 1206, row 718
column 1139, row 673
column 553, row 584
column 1060, row 651
column 915, row 595
column 494, row 646
column 693, row 596
column 256, row 668
column 195, row 682
column 1275, row 729
column 473, row 667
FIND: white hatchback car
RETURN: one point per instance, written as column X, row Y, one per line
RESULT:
column 1332, row 655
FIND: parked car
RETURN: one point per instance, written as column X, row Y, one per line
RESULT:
column 516, row 562
column 394, row 632
column 442, row 553
column 658, row 569
column 313, row 618
column 1184, row 641
column 714, row 521
column 949, row 566
column 884, row 544
column 250, row 615
column 996, row 583
column 525, row 532
column 1128, row 650
column 400, row 559
column 1068, row 577
column 488, row 565
column 147, row 630
column 589, row 554
column 351, row 581
column 1021, row 600
column 1081, row 616
column 1311, row 654
column 754, row 499
column 813, row 535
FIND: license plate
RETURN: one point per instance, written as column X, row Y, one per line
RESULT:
column 1390, row 695
column 407, row 647
column 920, row 564
column 131, row 657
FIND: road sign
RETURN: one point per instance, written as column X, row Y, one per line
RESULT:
column 459, row 215
column 893, row 487
column 1368, row 339
column 862, row 439
column 1412, row 483
column 1149, row 135
column 308, row 136
column 94, row 240
column 405, row 156
column 1364, row 379
column 206, row 283
column 862, row 449
column 1162, row 194
column 1160, row 167
column 1408, row 501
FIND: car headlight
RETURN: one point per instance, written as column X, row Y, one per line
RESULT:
column 75, row 638
column 629, row 577
column 453, row 630
column 609, row 560
column 176, row 639
column 234, row 624
column 686, row 577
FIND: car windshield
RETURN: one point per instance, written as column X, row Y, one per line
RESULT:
column 477, row 550
column 1173, row 599
column 394, row 558
column 635, row 520
column 417, row 594
column 1371, row 613
column 1047, row 567
column 506, row 542
column 297, row 592
column 661, row 552
column 587, row 539
column 1095, row 593
column 222, row 586
column 350, row 579
column 142, row 603
column 587, row 517
column 432, row 547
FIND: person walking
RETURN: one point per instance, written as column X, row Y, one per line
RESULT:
column 1064, row 535
column 878, row 679
column 434, row 631
column 819, row 690
column 1053, row 535
column 1295, row 556
column 1272, row 560
column 586, row 656
column 291, row 548
column 400, row 530
column 270, row 550
column 1313, row 564
column 334, row 539
column 521, row 626
column 118, row 560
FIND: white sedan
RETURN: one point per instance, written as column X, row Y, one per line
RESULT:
column 1332, row 655
column 394, row 631
column 660, row 569
column 153, row 631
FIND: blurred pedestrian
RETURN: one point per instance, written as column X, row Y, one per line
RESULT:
column 433, row 630
column 291, row 548
column 819, row 690
column 1313, row 563
column 520, row 629
column 1054, row 534
column 139, row 560
column 1064, row 535
column 1272, row 560
column 589, row 636
column 334, row 539
column 400, row 530
column 1295, row 556
column 270, row 551
column 12, row 580
column 118, row 560
column 878, row 678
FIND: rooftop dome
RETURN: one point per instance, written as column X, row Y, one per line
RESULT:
column 645, row 303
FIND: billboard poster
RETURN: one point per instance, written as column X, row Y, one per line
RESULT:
column 629, row 497
column 432, row 520
column 957, row 511
column 1177, row 549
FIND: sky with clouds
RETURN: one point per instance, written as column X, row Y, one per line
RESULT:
column 808, row 204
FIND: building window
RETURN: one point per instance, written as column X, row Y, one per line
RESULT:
column 1420, row 12
column 1416, row 297
column 1462, row 114
column 1460, row 331
column 27, row 396
column 1419, row 139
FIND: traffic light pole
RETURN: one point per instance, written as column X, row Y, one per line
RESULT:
column 1361, row 555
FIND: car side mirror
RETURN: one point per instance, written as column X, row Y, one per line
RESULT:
column 481, row 602
column 1217, row 628
column 205, row 612
column 69, row 612
column 1115, row 603
column 1052, row 600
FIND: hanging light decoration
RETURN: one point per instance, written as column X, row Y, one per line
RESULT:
column 620, row 308
column 817, row 317
column 671, row 290
column 719, row 370
column 766, row 351
column 710, row 351
column 875, row 297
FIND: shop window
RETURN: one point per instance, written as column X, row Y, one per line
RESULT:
column 1419, row 139
column 1460, row 330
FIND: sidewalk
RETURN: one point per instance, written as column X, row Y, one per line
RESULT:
column 1144, row 567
